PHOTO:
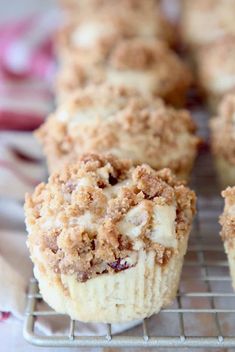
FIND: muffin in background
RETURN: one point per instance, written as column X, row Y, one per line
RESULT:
column 147, row 65
column 108, row 240
column 120, row 121
column 223, row 140
column 227, row 221
column 206, row 21
column 90, row 38
column 216, row 70
column 77, row 7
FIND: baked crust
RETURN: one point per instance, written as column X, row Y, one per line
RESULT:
column 204, row 21
column 104, row 189
column 144, row 64
column 222, row 130
column 120, row 121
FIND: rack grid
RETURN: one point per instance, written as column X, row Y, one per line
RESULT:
column 203, row 314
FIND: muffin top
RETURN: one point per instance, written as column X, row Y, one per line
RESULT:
column 122, row 122
column 216, row 66
column 76, row 8
column 144, row 64
column 204, row 21
column 90, row 38
column 223, row 129
column 93, row 217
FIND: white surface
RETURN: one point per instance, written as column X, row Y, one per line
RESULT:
column 14, row 9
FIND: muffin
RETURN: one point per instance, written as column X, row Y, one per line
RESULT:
column 223, row 140
column 89, row 38
column 108, row 119
column 77, row 7
column 227, row 221
column 205, row 21
column 108, row 240
column 144, row 64
column 216, row 69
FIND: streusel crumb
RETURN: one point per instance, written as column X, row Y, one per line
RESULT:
column 122, row 122
column 91, row 38
column 94, row 216
column 145, row 64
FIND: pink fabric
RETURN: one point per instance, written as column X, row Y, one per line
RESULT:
column 4, row 316
column 27, row 68
column 26, row 47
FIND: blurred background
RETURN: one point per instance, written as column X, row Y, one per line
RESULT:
column 23, row 8
column 16, row 163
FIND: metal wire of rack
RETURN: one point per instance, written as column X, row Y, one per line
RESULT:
column 203, row 314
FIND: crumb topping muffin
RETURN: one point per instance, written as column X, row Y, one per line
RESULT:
column 223, row 141
column 216, row 68
column 144, row 64
column 204, row 21
column 77, row 7
column 101, row 225
column 223, row 130
column 92, row 217
column 122, row 122
column 90, row 38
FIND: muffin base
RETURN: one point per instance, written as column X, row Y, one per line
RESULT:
column 230, row 251
column 213, row 102
column 135, row 293
column 225, row 171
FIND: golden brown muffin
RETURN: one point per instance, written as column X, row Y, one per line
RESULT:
column 108, row 240
column 204, row 21
column 223, row 140
column 216, row 69
column 108, row 119
column 147, row 65
column 227, row 220
column 90, row 38
column 77, row 7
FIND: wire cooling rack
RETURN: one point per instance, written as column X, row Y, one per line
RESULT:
column 203, row 314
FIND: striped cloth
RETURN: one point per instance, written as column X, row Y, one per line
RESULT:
column 27, row 67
